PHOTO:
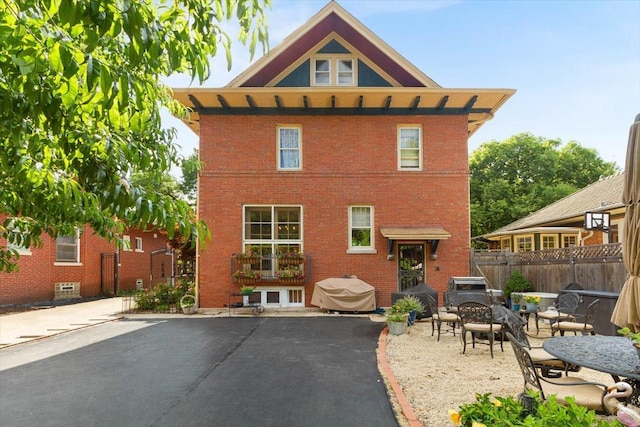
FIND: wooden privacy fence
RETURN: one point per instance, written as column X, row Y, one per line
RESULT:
column 596, row 267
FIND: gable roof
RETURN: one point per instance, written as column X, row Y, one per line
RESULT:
column 603, row 195
column 332, row 20
column 278, row 83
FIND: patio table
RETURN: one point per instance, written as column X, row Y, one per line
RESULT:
column 613, row 355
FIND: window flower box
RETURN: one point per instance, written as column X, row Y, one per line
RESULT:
column 246, row 277
column 243, row 258
column 290, row 258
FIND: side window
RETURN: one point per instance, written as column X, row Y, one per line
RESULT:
column 139, row 244
column 126, row 242
column 345, row 72
column 289, row 148
column 68, row 249
column 361, row 228
column 322, row 72
column 409, row 148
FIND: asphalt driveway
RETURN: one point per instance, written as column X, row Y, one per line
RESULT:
column 199, row 372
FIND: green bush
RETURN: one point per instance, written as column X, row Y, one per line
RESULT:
column 163, row 296
column 508, row 411
column 516, row 283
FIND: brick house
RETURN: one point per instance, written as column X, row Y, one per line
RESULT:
column 335, row 146
column 83, row 266
column 562, row 223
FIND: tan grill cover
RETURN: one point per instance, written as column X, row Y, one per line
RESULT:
column 344, row 294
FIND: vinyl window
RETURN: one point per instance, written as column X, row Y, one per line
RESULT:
column 409, row 148
column 361, row 228
column 289, row 148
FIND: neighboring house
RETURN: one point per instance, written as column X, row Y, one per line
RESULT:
column 85, row 266
column 562, row 223
column 335, row 146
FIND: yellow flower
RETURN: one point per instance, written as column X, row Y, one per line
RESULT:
column 475, row 424
column 497, row 403
column 455, row 417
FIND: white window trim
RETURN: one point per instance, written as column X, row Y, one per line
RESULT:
column 70, row 263
column 313, row 71
column 139, row 248
column 333, row 72
column 553, row 236
column 420, row 148
column 278, row 148
column 353, row 72
column 361, row 249
column 562, row 236
column 524, row 236
column 126, row 243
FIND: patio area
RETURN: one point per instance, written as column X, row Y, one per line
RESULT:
column 436, row 376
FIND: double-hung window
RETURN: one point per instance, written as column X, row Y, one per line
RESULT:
column 68, row 249
column 524, row 243
column 548, row 241
column 409, row 148
column 361, row 229
column 271, row 230
column 334, row 71
column 289, row 148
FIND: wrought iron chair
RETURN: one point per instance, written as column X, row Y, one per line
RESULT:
column 575, row 326
column 548, row 365
column 565, row 309
column 585, row 393
column 477, row 318
column 439, row 317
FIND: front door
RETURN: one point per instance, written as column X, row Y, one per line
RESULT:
column 410, row 265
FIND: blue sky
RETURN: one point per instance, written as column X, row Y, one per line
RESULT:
column 575, row 64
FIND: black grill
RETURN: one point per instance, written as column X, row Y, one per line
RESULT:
column 467, row 284
column 420, row 291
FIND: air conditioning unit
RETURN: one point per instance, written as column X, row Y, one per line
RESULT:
column 65, row 290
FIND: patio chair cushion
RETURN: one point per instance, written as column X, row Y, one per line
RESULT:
column 553, row 315
column 483, row 327
column 573, row 326
column 589, row 395
column 446, row 317
column 539, row 355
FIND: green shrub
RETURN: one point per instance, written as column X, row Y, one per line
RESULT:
column 516, row 283
column 508, row 411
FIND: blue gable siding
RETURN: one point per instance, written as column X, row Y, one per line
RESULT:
column 333, row 47
column 369, row 78
column 300, row 77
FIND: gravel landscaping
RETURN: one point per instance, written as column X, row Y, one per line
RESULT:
column 436, row 376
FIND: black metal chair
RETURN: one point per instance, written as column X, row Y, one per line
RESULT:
column 585, row 393
column 549, row 366
column 478, row 319
column 585, row 326
column 565, row 309
column 439, row 317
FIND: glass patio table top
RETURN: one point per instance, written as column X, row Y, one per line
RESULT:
column 614, row 355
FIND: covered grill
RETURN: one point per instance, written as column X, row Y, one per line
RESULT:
column 420, row 291
column 344, row 294
column 457, row 283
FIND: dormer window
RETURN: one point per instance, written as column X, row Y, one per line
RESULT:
column 334, row 72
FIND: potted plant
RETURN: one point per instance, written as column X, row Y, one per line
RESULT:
column 188, row 304
column 633, row 336
column 396, row 320
column 516, row 283
column 246, row 290
column 515, row 301
column 532, row 303
column 411, row 305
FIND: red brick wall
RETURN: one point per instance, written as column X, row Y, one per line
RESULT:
column 38, row 272
column 136, row 265
column 346, row 160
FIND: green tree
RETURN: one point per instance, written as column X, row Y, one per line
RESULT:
column 190, row 167
column 80, row 101
column 524, row 173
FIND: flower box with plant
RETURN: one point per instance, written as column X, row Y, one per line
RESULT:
column 290, row 275
column 290, row 258
column 247, row 257
column 246, row 276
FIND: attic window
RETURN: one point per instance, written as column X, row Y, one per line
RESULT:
column 334, row 71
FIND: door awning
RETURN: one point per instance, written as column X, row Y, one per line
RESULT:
column 414, row 233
